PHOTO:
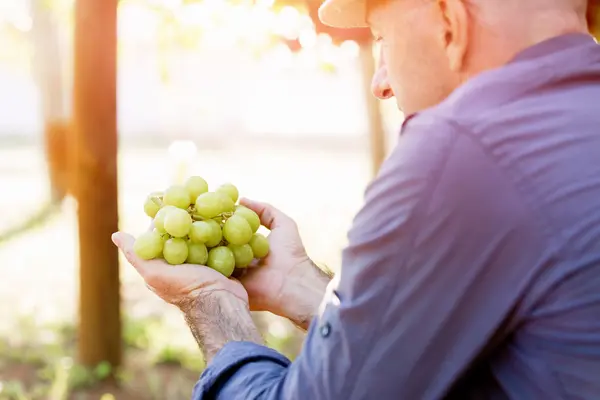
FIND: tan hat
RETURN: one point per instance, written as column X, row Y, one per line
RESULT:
column 353, row 13
column 344, row 13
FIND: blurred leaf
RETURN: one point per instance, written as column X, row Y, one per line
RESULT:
column 137, row 333
column 13, row 390
column 169, row 355
column 103, row 370
column 81, row 377
column 59, row 389
column 124, row 376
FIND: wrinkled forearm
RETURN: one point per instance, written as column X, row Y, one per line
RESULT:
column 217, row 318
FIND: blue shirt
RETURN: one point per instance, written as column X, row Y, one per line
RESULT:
column 473, row 269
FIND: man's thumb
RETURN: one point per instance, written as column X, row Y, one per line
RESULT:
column 270, row 216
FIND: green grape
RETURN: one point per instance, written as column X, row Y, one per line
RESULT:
column 237, row 230
column 197, row 253
column 177, row 222
column 159, row 219
column 177, row 196
column 163, row 236
column 201, row 232
column 250, row 216
column 209, row 205
column 152, row 205
column 175, row 251
column 195, row 186
column 221, row 259
column 260, row 245
column 230, row 190
column 227, row 205
column 148, row 245
column 243, row 254
column 217, row 233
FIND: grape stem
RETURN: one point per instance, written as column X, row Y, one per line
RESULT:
column 196, row 217
column 219, row 218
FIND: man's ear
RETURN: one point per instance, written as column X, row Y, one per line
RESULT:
column 455, row 33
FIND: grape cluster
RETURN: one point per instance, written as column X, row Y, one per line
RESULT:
column 196, row 226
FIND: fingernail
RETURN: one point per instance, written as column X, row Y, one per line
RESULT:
column 115, row 238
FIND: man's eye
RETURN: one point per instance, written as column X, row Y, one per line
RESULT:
column 377, row 39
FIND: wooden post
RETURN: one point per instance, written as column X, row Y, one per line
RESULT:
column 376, row 128
column 95, row 180
column 49, row 76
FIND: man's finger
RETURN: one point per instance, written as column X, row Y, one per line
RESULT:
column 269, row 216
column 124, row 242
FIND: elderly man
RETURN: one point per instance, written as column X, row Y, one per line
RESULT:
column 473, row 268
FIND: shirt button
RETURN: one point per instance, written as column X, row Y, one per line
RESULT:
column 325, row 329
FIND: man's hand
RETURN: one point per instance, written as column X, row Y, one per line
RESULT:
column 215, row 307
column 286, row 282
column 181, row 284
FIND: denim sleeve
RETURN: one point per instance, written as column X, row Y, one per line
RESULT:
column 428, row 278
column 253, row 367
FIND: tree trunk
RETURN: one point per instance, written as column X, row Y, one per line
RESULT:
column 376, row 128
column 95, row 179
column 49, row 75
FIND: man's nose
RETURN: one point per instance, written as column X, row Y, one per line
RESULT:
column 380, row 85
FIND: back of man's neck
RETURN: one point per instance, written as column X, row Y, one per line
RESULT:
column 506, row 47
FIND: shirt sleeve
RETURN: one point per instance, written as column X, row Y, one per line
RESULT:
column 430, row 281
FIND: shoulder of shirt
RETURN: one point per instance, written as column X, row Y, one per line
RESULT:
column 486, row 103
column 474, row 101
column 482, row 96
column 472, row 106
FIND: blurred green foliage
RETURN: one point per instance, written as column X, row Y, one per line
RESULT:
column 37, row 361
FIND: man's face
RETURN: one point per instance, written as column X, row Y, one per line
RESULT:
column 414, row 65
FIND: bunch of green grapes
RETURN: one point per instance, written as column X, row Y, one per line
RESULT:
column 193, row 225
